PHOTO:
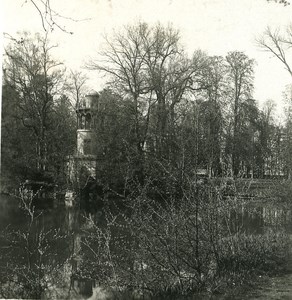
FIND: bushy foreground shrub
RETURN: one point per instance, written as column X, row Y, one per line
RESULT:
column 176, row 249
column 260, row 253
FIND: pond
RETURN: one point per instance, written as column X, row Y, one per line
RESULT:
column 56, row 234
column 48, row 245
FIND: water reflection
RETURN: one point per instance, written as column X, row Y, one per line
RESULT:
column 254, row 218
column 247, row 219
column 277, row 217
column 68, row 227
column 55, row 235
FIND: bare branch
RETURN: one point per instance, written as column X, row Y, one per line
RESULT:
column 277, row 44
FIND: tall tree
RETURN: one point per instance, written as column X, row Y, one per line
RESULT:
column 286, row 134
column 240, row 86
column 123, row 61
column 33, row 73
column 211, row 116
column 36, row 83
column 279, row 43
column 147, row 65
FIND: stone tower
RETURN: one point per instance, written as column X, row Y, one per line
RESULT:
column 83, row 163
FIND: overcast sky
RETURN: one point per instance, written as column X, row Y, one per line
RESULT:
column 214, row 26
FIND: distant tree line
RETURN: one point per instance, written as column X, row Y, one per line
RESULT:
column 170, row 115
column 163, row 117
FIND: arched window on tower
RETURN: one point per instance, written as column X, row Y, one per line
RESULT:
column 88, row 121
column 82, row 123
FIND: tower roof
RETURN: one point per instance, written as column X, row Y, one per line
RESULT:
column 89, row 102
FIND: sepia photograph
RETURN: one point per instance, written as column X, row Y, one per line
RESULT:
column 146, row 149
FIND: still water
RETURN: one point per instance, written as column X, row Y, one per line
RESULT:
column 53, row 246
column 51, row 238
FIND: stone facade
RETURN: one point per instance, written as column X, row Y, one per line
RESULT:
column 83, row 163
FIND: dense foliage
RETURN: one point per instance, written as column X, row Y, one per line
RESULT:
column 177, row 250
column 38, row 124
column 167, row 113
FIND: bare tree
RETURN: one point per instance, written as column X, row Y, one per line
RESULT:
column 148, row 65
column 50, row 17
column 76, row 86
column 37, row 79
column 123, row 60
column 240, row 79
column 278, row 44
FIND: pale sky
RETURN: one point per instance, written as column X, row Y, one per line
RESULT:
column 214, row 26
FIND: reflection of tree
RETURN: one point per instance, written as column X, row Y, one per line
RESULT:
column 276, row 217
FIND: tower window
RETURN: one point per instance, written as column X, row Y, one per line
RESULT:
column 87, row 147
column 82, row 123
column 88, row 121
